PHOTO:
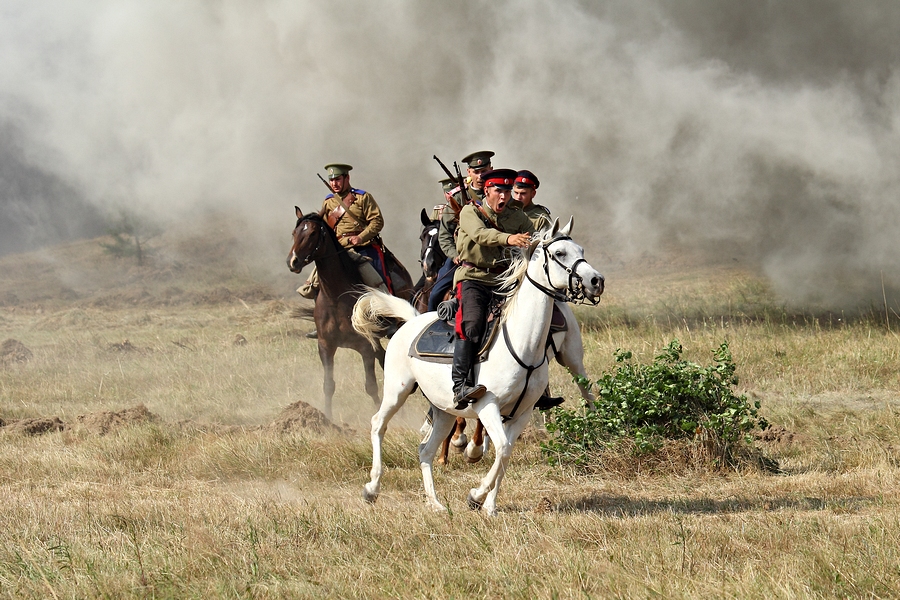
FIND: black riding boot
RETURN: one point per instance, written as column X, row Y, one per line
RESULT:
column 546, row 401
column 463, row 360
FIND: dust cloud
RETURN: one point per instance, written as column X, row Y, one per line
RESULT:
column 763, row 132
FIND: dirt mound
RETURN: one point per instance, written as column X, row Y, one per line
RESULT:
column 36, row 426
column 14, row 351
column 778, row 435
column 103, row 422
column 300, row 416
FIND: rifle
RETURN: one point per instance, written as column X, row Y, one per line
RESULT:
column 454, row 205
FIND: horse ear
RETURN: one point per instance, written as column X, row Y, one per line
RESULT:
column 299, row 212
column 554, row 228
column 425, row 220
column 567, row 230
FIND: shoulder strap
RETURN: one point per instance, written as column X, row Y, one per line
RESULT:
column 488, row 220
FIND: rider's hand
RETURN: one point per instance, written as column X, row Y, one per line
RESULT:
column 354, row 240
column 455, row 260
column 519, row 239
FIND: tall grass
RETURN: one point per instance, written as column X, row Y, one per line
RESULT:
column 185, row 507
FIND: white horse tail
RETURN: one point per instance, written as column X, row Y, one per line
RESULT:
column 373, row 308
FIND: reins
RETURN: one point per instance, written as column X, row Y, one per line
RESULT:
column 315, row 253
column 576, row 295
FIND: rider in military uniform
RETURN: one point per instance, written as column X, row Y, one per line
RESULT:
column 477, row 164
column 484, row 232
column 356, row 219
column 523, row 192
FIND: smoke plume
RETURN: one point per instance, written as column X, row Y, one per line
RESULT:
column 766, row 131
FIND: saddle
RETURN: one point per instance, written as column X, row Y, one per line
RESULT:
column 436, row 342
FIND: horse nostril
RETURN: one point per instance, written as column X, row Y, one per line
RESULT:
column 597, row 281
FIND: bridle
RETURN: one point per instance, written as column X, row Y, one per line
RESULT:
column 575, row 291
column 322, row 234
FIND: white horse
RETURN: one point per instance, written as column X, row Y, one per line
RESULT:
column 515, row 373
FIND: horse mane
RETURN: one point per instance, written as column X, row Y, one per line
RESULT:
column 511, row 279
column 347, row 263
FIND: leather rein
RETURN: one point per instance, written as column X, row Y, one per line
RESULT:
column 576, row 295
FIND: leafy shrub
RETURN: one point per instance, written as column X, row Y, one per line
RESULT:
column 670, row 399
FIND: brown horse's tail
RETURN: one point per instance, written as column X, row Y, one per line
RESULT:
column 373, row 308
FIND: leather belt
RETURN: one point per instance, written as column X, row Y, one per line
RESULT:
column 495, row 270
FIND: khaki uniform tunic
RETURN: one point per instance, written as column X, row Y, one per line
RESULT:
column 539, row 215
column 449, row 222
column 363, row 217
column 481, row 245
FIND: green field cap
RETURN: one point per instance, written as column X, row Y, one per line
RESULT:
column 477, row 160
column 448, row 184
column 336, row 170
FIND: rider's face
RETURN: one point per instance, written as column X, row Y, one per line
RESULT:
column 475, row 176
column 339, row 184
column 523, row 194
column 497, row 198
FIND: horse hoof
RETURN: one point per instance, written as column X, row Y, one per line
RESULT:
column 459, row 444
column 474, row 454
column 473, row 503
column 369, row 496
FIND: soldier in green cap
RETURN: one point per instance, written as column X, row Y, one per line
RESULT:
column 356, row 219
column 524, row 190
column 484, row 232
column 477, row 164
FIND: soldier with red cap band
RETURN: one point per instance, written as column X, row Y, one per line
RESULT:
column 484, row 233
column 524, row 190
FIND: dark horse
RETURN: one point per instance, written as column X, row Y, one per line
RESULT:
column 339, row 287
column 432, row 258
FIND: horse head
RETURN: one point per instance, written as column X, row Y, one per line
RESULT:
column 558, row 267
column 431, row 256
column 309, row 240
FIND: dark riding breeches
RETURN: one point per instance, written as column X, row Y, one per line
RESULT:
column 474, row 303
column 444, row 282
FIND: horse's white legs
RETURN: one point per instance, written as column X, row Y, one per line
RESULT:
column 571, row 353
column 490, row 417
column 514, row 429
column 395, row 394
column 442, row 424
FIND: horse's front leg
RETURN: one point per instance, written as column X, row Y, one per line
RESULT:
column 475, row 450
column 441, row 426
column 514, row 429
column 489, row 415
column 326, row 355
column 571, row 354
column 459, row 438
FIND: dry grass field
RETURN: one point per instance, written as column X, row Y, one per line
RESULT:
column 154, row 445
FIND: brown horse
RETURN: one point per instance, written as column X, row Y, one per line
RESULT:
column 339, row 287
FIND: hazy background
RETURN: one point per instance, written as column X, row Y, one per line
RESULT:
column 763, row 132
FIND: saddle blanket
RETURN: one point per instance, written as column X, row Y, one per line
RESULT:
column 436, row 342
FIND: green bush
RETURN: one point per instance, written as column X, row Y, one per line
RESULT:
column 670, row 399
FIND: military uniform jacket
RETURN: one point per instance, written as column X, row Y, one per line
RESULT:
column 539, row 215
column 363, row 217
column 481, row 247
column 449, row 221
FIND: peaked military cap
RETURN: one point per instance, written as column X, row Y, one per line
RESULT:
column 448, row 184
column 336, row 170
column 500, row 178
column 527, row 179
column 476, row 160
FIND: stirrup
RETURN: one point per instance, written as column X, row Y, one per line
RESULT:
column 467, row 394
